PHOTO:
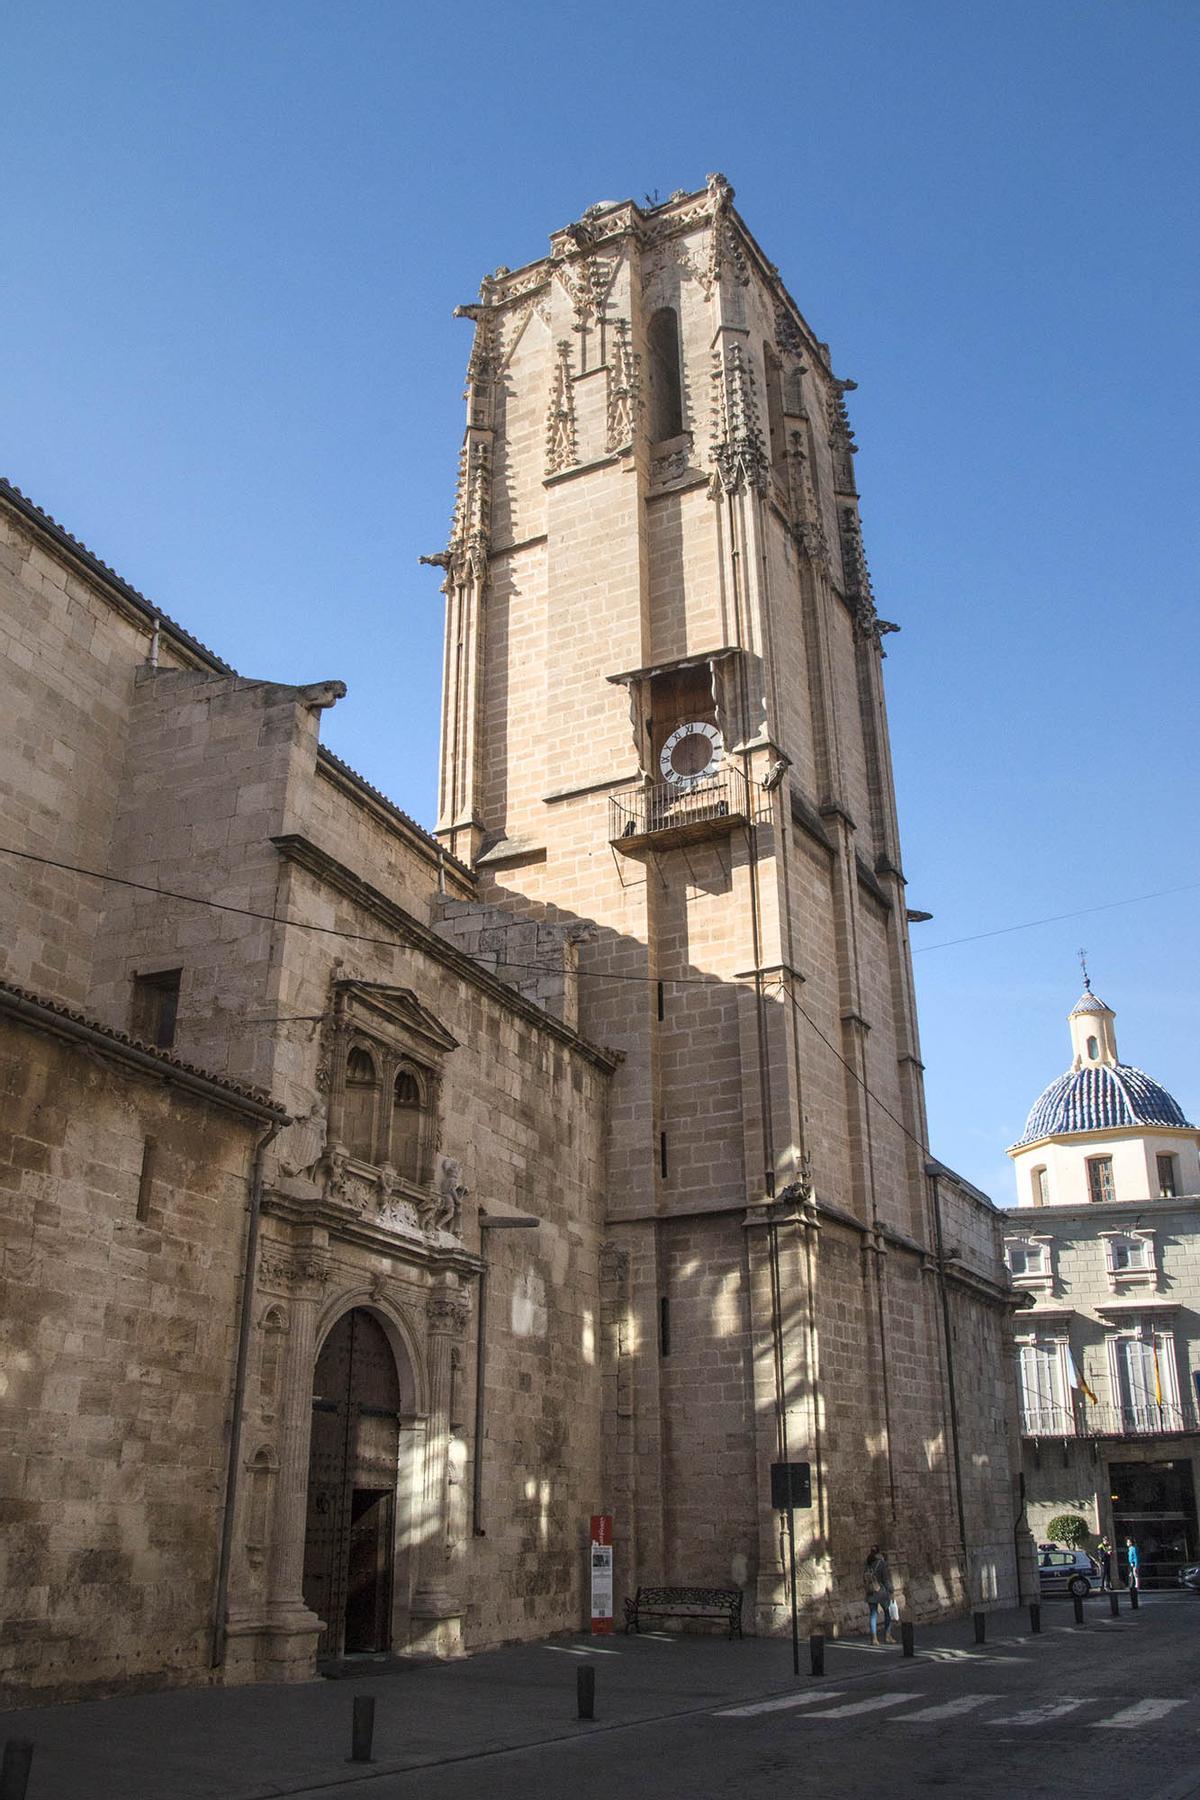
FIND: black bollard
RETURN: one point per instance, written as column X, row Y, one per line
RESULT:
column 362, row 1730
column 1035, row 1617
column 585, row 1690
column 816, row 1652
column 1114, row 1602
column 1133, row 1597
column 980, row 1627
column 906, row 1638
column 1077, row 1603
column 14, row 1771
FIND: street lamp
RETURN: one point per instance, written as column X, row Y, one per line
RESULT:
column 487, row 1222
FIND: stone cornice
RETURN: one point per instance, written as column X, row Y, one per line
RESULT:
column 317, row 862
column 1105, row 1210
column 345, row 1226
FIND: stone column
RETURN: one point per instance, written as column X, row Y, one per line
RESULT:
column 437, row 1611
column 292, row 1629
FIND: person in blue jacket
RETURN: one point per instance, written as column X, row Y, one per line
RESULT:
column 1133, row 1561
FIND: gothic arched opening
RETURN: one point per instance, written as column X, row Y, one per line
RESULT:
column 353, row 1470
column 665, row 385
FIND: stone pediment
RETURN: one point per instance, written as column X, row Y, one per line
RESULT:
column 398, row 1006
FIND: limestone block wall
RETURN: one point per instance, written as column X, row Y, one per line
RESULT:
column 211, row 765
column 69, row 654
column 119, row 1337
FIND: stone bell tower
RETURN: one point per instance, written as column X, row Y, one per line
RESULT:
column 664, row 721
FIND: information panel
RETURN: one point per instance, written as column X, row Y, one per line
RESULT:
column 602, row 1572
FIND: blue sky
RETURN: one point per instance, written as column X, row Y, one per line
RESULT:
column 235, row 237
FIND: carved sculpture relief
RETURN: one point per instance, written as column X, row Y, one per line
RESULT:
column 448, row 1313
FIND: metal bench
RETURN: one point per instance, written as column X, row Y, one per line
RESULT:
column 685, row 1603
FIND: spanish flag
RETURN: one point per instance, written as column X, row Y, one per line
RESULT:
column 1157, row 1373
column 1077, row 1381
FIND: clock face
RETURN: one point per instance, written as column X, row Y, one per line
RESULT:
column 691, row 754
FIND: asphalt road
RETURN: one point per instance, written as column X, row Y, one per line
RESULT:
column 1111, row 1710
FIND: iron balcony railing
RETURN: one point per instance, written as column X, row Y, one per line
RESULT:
column 705, row 808
column 1150, row 1420
column 1047, row 1421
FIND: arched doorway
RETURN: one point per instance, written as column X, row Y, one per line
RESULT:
column 352, row 1478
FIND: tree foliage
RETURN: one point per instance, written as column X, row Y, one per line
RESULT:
column 1068, row 1529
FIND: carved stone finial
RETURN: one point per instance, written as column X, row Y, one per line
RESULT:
column 737, row 450
column 624, row 388
column 561, row 452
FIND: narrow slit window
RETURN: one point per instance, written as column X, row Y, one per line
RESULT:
column 665, row 383
column 146, row 1180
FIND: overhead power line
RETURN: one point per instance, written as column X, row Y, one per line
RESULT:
column 1055, row 918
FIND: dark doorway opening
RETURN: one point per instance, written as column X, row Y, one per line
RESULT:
column 350, row 1532
column 1154, row 1503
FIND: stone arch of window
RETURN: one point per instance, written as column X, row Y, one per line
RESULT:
column 387, row 1115
column 409, row 1143
column 360, row 1104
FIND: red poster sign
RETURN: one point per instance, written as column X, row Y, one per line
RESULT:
column 601, row 1565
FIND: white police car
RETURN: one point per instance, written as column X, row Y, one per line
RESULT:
column 1071, row 1572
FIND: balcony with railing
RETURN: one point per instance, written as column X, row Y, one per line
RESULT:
column 1101, row 1421
column 662, row 814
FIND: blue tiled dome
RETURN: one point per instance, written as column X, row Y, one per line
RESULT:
column 1097, row 1098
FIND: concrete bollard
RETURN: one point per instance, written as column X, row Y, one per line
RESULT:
column 585, row 1691
column 1114, row 1602
column 1077, row 1603
column 14, row 1771
column 980, row 1627
column 1035, row 1617
column 1133, row 1598
column 816, row 1652
column 906, row 1638
column 362, row 1730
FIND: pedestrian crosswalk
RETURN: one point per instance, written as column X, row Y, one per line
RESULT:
column 1110, row 1715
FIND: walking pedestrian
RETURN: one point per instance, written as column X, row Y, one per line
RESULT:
column 1104, row 1549
column 1133, row 1562
column 878, row 1591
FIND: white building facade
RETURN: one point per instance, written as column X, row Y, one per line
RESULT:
column 1105, row 1241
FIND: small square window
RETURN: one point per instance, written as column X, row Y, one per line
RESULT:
column 1128, row 1254
column 155, row 1007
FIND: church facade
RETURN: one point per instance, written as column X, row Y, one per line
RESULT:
column 1105, row 1243
column 380, row 1203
